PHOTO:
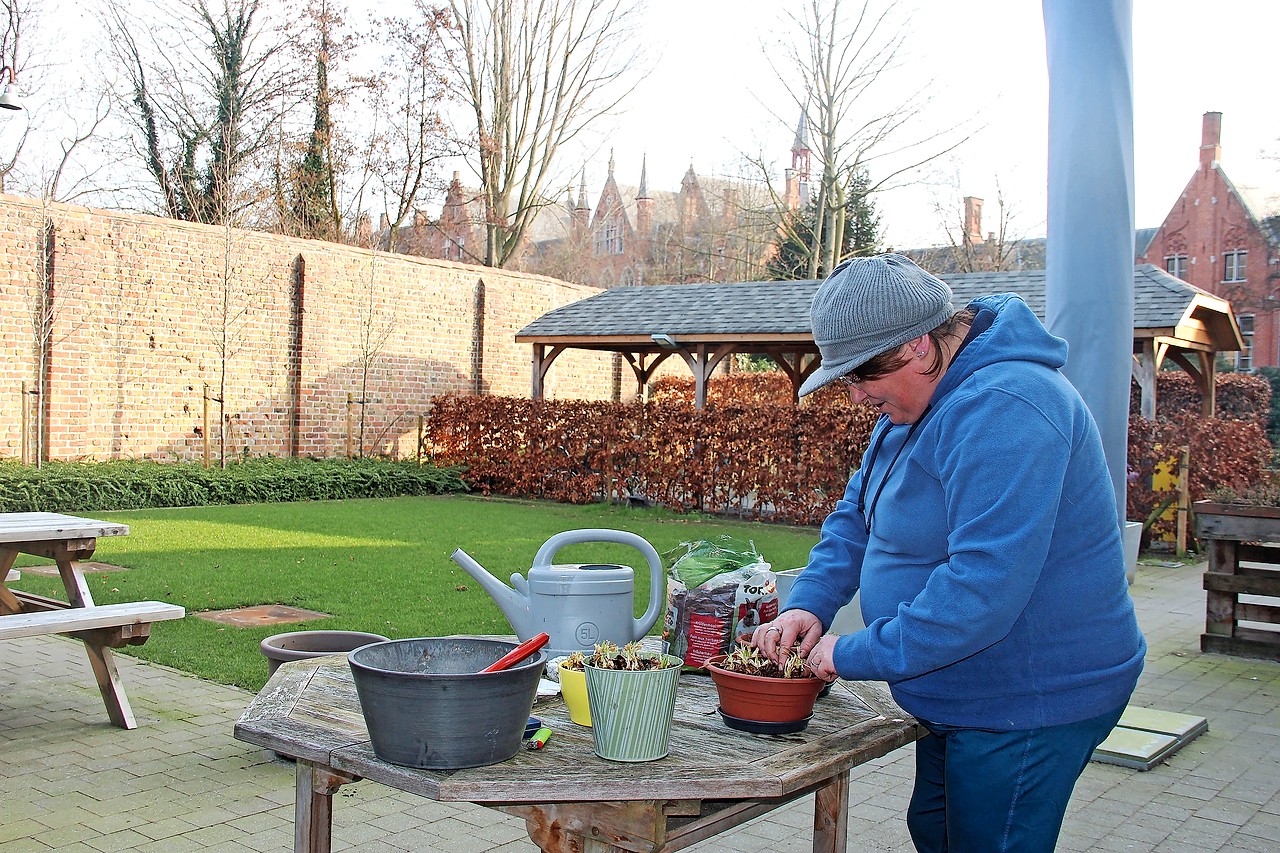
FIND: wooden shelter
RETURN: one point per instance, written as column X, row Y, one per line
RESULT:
column 705, row 323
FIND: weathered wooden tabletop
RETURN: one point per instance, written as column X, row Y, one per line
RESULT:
column 310, row 710
column 50, row 526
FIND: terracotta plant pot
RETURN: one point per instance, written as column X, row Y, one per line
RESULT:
column 763, row 705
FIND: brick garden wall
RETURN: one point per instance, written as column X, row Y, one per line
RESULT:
column 144, row 312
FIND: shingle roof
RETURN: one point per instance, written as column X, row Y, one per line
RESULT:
column 1142, row 238
column 771, row 309
column 751, row 307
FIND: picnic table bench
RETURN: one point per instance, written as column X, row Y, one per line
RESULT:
column 67, row 540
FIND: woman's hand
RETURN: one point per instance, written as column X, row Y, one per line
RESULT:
column 777, row 638
column 821, row 663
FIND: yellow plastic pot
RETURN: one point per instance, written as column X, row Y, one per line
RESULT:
column 573, row 687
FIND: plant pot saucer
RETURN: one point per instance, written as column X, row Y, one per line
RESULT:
column 756, row 727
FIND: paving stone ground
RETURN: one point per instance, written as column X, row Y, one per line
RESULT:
column 70, row 782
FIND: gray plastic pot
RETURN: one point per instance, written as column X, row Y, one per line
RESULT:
column 300, row 645
column 427, row 705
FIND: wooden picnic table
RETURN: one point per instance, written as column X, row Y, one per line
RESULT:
column 714, row 778
column 67, row 540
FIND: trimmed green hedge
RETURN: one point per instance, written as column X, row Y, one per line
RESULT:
column 72, row 487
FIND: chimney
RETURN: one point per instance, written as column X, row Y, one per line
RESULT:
column 972, row 220
column 1210, row 140
column 384, row 222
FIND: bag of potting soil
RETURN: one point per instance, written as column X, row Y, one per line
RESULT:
column 718, row 592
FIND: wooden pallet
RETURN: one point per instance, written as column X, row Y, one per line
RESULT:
column 1244, row 561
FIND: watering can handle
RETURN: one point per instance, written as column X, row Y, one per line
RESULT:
column 657, row 580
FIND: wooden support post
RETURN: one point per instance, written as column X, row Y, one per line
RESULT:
column 348, row 440
column 831, row 816
column 205, row 406
column 26, row 425
column 419, row 452
column 313, row 806
column 1184, row 498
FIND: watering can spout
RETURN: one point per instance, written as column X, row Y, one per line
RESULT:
column 513, row 603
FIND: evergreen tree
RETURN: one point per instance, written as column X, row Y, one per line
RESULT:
column 861, row 226
column 315, row 205
column 862, row 220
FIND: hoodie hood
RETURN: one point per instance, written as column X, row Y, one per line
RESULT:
column 1005, row 329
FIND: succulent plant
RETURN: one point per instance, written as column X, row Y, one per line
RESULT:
column 749, row 660
column 607, row 655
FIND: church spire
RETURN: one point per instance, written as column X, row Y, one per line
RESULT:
column 644, row 204
column 796, row 194
column 581, row 213
column 801, row 142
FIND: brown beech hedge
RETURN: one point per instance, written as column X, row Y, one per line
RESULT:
column 753, row 453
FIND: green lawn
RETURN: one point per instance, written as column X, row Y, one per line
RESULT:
column 379, row 565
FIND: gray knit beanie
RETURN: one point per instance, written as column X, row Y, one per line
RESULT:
column 868, row 306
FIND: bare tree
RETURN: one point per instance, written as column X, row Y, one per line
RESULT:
column 844, row 55
column 80, row 133
column 205, row 84
column 19, row 21
column 413, row 138
column 376, row 319
column 534, row 73
column 968, row 249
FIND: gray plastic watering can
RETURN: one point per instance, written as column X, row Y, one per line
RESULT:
column 578, row 604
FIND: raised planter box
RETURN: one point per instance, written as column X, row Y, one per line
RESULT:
column 1244, row 559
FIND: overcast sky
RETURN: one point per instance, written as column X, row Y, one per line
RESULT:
column 711, row 93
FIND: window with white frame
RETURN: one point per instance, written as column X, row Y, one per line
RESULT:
column 610, row 239
column 1244, row 358
column 1176, row 265
column 1233, row 265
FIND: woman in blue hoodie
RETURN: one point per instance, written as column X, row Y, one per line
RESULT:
column 981, row 530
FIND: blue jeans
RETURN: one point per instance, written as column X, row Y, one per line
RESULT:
column 983, row 791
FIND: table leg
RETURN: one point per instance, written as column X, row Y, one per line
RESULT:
column 9, row 603
column 313, row 806
column 831, row 815
column 100, row 658
column 78, row 594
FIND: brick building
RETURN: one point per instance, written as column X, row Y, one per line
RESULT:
column 711, row 230
column 1219, row 237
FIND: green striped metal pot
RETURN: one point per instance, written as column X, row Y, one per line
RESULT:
column 631, row 710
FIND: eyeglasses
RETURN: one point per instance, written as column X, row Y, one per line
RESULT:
column 875, row 368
